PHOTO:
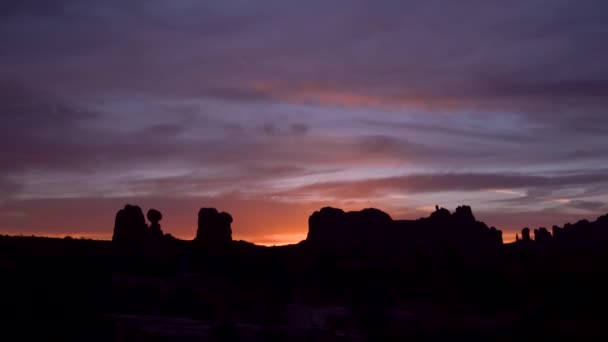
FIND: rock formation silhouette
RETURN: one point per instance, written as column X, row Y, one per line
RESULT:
column 130, row 225
column 372, row 228
column 525, row 235
column 542, row 235
column 154, row 231
column 214, row 227
column 398, row 276
column 583, row 234
column 334, row 227
column 463, row 215
column 440, row 214
column 557, row 231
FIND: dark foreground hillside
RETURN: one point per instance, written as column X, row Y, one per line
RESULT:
column 357, row 276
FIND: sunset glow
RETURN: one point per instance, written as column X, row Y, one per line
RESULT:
column 272, row 111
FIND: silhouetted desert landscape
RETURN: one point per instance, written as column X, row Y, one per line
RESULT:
column 358, row 276
column 276, row 170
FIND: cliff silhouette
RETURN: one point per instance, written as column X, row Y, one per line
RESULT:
column 371, row 228
column 582, row 235
column 331, row 228
column 357, row 275
column 375, row 229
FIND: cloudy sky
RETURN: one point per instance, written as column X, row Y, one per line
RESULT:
column 272, row 109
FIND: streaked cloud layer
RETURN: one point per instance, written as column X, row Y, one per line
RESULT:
column 272, row 109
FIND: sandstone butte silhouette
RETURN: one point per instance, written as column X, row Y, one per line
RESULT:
column 545, row 280
column 372, row 228
column 331, row 228
column 213, row 226
column 130, row 226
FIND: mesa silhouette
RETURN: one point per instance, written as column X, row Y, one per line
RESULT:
column 359, row 274
column 332, row 228
column 329, row 227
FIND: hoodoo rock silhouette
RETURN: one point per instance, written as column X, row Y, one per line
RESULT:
column 213, row 226
column 154, row 231
column 525, row 235
column 373, row 229
column 130, row 225
column 582, row 235
column 377, row 276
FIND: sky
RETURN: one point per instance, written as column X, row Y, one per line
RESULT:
column 272, row 109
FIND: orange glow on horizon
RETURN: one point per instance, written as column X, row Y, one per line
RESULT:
column 260, row 223
column 262, row 240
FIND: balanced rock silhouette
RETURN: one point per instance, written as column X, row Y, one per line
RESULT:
column 154, row 231
column 213, row 227
column 130, row 225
